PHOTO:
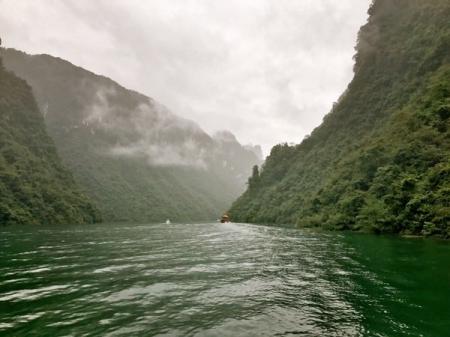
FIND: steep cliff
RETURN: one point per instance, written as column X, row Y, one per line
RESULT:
column 35, row 188
column 380, row 161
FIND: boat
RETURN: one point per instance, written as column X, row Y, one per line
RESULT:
column 168, row 222
column 225, row 218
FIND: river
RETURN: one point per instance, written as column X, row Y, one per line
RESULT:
column 219, row 280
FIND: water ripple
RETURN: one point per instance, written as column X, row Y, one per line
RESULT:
column 216, row 280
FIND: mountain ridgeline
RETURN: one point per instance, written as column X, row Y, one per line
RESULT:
column 380, row 161
column 135, row 159
column 35, row 188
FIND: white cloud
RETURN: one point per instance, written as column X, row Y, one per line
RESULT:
column 268, row 70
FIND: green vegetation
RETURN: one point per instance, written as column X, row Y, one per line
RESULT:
column 34, row 186
column 132, row 157
column 380, row 161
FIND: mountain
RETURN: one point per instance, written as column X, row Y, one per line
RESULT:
column 131, row 155
column 235, row 157
column 35, row 188
column 380, row 160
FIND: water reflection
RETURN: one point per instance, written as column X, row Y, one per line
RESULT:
column 216, row 280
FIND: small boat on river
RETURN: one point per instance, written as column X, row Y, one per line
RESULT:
column 225, row 218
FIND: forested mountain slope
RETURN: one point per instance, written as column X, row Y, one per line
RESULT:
column 35, row 188
column 133, row 157
column 380, row 161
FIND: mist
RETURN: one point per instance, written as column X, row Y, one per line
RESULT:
column 268, row 70
column 149, row 131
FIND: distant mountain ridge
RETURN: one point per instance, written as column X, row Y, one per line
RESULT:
column 132, row 156
column 35, row 188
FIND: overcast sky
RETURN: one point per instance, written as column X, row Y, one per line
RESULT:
column 267, row 70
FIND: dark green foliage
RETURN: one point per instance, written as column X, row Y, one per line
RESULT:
column 380, row 160
column 34, row 186
column 89, row 115
column 253, row 181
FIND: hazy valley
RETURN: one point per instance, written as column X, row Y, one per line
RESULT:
column 122, row 217
column 136, row 160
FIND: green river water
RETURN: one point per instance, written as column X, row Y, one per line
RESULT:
column 219, row 280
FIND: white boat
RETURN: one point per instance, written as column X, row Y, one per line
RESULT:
column 168, row 222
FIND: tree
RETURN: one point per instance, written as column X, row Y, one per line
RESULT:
column 253, row 181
